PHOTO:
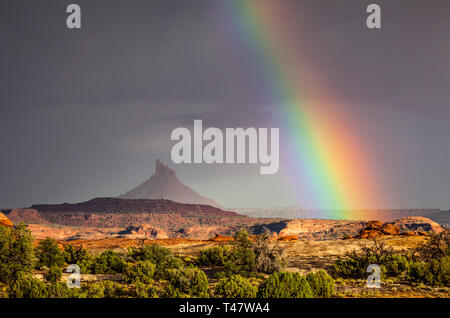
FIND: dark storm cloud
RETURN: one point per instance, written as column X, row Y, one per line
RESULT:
column 84, row 113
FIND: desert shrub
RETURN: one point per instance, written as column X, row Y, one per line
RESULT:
column 93, row 290
column 141, row 271
column 142, row 290
column 53, row 274
column 16, row 252
column 79, row 256
column 436, row 246
column 285, row 285
column 322, row 284
column 214, row 256
column 248, row 258
column 109, row 262
column 59, row 290
column 154, row 253
column 435, row 272
column 49, row 254
column 26, row 286
column 241, row 260
column 186, row 282
column 235, row 286
column 395, row 266
column 431, row 268
column 113, row 289
column 267, row 258
column 354, row 264
column 157, row 254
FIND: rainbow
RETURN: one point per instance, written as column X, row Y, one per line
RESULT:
column 325, row 151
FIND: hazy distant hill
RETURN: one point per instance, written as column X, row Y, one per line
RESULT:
column 164, row 184
column 440, row 216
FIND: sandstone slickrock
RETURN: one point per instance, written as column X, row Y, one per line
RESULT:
column 4, row 221
column 288, row 238
column 390, row 229
column 418, row 223
column 164, row 184
column 374, row 229
column 312, row 228
column 408, row 226
column 221, row 238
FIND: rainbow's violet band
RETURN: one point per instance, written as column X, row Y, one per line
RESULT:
column 326, row 153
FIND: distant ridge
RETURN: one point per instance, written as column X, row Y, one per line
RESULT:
column 117, row 205
column 164, row 184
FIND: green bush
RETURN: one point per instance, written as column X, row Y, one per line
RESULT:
column 16, row 252
column 186, row 282
column 25, row 286
column 435, row 272
column 59, row 290
column 49, row 254
column 354, row 264
column 53, row 274
column 141, row 271
column 235, row 286
column 109, row 262
column 142, row 290
column 161, row 256
column 322, row 285
column 285, row 285
column 436, row 246
column 240, row 261
column 79, row 256
column 214, row 256
column 249, row 258
column 113, row 289
column 93, row 290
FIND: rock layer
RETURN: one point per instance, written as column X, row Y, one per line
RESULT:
column 4, row 221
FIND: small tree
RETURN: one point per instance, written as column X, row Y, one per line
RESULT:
column 94, row 290
column 16, row 252
column 49, row 254
column 109, row 262
column 25, row 286
column 142, row 290
column 113, row 289
column 249, row 258
column 235, row 286
column 242, row 259
column 285, row 285
column 79, row 256
column 268, row 259
column 161, row 256
column 214, row 256
column 59, row 290
column 186, row 282
column 141, row 271
column 437, row 246
column 53, row 274
column 435, row 272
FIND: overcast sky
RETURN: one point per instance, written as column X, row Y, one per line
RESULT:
column 84, row 113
